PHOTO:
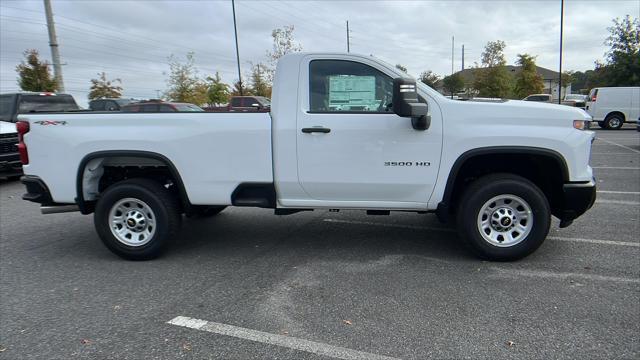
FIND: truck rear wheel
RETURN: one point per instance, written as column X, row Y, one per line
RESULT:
column 136, row 219
column 503, row 217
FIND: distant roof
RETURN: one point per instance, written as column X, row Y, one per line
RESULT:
column 468, row 74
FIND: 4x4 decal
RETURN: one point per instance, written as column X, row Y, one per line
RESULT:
column 50, row 122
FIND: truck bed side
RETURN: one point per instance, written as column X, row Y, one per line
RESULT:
column 213, row 153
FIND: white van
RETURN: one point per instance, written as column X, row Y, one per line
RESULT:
column 613, row 106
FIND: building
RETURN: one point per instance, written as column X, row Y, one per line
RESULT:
column 549, row 78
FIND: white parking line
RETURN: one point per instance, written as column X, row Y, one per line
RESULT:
column 274, row 339
column 615, row 167
column 416, row 227
column 633, row 137
column 622, row 146
column 510, row 272
column 613, row 153
column 618, row 192
column 618, row 202
column 595, row 241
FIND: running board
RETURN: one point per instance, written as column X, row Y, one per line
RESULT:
column 58, row 209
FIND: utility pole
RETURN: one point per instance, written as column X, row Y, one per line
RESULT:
column 560, row 67
column 452, row 44
column 462, row 56
column 235, row 30
column 53, row 43
column 348, row 37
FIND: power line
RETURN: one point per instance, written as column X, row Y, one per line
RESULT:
column 119, row 31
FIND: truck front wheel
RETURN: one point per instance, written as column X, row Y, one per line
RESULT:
column 503, row 217
column 137, row 218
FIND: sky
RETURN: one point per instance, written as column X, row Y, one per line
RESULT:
column 132, row 39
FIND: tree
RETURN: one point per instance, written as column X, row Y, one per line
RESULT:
column 236, row 90
column 623, row 58
column 34, row 75
column 217, row 91
column 453, row 83
column 184, row 84
column 401, row 68
column 259, row 84
column 283, row 44
column 103, row 88
column 528, row 81
column 429, row 78
column 492, row 79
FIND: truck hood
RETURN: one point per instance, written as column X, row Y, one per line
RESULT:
column 512, row 112
column 7, row 127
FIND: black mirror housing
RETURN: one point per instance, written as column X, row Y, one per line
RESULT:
column 406, row 103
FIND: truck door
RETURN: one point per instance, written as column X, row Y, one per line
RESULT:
column 352, row 147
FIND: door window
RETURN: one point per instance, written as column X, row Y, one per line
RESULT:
column 97, row 105
column 236, row 102
column 6, row 107
column 150, row 108
column 348, row 87
column 166, row 108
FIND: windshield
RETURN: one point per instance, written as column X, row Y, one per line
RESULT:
column 41, row 103
column 188, row 108
column 123, row 102
column 574, row 97
column 263, row 100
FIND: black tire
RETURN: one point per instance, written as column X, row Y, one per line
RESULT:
column 206, row 211
column 601, row 124
column 482, row 191
column 613, row 121
column 165, row 208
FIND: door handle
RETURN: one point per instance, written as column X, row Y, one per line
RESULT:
column 316, row 129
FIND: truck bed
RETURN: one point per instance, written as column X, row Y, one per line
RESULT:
column 212, row 152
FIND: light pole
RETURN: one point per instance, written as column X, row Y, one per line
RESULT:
column 53, row 43
column 560, row 67
column 235, row 30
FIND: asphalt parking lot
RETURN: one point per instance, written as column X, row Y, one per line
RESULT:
column 250, row 285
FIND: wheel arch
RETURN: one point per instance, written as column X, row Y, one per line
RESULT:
column 616, row 112
column 87, row 206
column 468, row 161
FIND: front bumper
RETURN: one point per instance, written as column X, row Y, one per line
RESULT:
column 10, row 164
column 577, row 199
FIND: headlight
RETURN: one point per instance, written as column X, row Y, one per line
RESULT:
column 581, row 124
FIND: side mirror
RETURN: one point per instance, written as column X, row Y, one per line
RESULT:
column 256, row 105
column 406, row 104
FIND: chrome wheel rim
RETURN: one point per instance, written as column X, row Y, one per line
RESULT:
column 614, row 122
column 132, row 222
column 505, row 220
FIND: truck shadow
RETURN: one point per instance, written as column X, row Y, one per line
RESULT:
column 318, row 235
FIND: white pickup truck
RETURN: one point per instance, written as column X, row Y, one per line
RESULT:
column 345, row 132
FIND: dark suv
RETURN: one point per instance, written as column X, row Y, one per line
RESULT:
column 109, row 104
column 14, row 104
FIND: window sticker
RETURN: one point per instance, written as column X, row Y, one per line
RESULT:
column 352, row 93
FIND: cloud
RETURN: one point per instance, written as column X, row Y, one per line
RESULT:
column 132, row 40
